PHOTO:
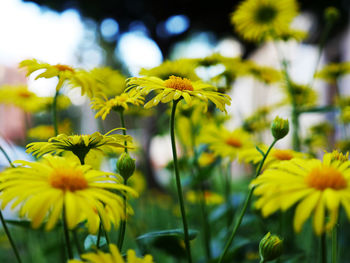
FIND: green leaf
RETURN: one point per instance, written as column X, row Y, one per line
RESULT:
column 170, row 241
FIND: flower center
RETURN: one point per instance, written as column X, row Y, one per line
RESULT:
column 64, row 68
column 324, row 177
column 283, row 155
column 68, row 179
column 178, row 83
column 24, row 94
column 265, row 14
column 234, row 142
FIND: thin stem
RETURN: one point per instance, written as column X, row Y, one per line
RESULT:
column 335, row 244
column 6, row 156
column 14, row 248
column 54, row 113
column 99, row 236
column 323, row 249
column 122, row 224
column 262, row 260
column 178, row 182
column 104, row 229
column 66, row 234
column 123, row 126
column 77, row 243
column 228, row 195
column 245, row 206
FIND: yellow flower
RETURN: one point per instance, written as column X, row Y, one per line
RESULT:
column 210, row 198
column 63, row 72
column 176, row 88
column 113, row 257
column 313, row 185
column 332, row 72
column 104, row 105
column 44, row 132
column 291, row 34
column 275, row 156
column 20, row 96
column 44, row 189
column 184, row 68
column 264, row 74
column 258, row 19
column 226, row 143
column 303, row 95
column 80, row 145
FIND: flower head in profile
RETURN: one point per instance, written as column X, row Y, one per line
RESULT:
column 44, row 132
column 176, row 88
column 103, row 105
column 257, row 19
column 64, row 73
column 225, row 143
column 80, row 145
column 210, row 198
column 317, row 187
column 265, row 74
column 43, row 189
column 332, row 72
column 113, row 257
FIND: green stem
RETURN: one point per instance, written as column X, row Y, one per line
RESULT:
column 14, row 248
column 123, row 126
column 262, row 260
column 54, row 113
column 77, row 243
column 99, row 236
column 178, row 182
column 6, row 156
column 335, row 244
column 122, row 224
column 228, row 195
column 323, row 249
column 245, row 206
column 66, row 234
column 106, row 233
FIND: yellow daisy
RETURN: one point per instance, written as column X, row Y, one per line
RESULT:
column 258, row 19
column 314, row 185
column 332, row 72
column 80, row 145
column 264, row 74
column 44, row 132
column 184, row 68
column 104, row 105
column 225, row 143
column 275, row 156
column 113, row 257
column 303, row 95
column 63, row 72
column 43, row 189
column 176, row 88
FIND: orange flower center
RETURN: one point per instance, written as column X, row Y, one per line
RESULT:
column 68, row 179
column 24, row 94
column 234, row 142
column 325, row 177
column 178, row 83
column 283, row 155
column 63, row 68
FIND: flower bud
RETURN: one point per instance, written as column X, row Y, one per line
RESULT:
column 270, row 247
column 126, row 166
column 331, row 14
column 279, row 128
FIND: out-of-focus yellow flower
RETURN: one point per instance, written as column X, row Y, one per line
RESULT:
column 137, row 182
column 303, row 95
column 264, row 74
column 291, row 34
column 20, row 96
column 332, row 72
column 80, row 145
column 62, row 72
column 104, row 105
column 176, row 88
column 44, row 132
column 226, row 143
column 113, row 257
column 345, row 114
column 43, row 189
column 255, row 20
column 210, row 198
column 275, row 156
column 206, row 159
column 184, row 68
column 315, row 185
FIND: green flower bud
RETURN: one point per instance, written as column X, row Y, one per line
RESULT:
column 331, row 14
column 270, row 247
column 279, row 128
column 126, row 166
